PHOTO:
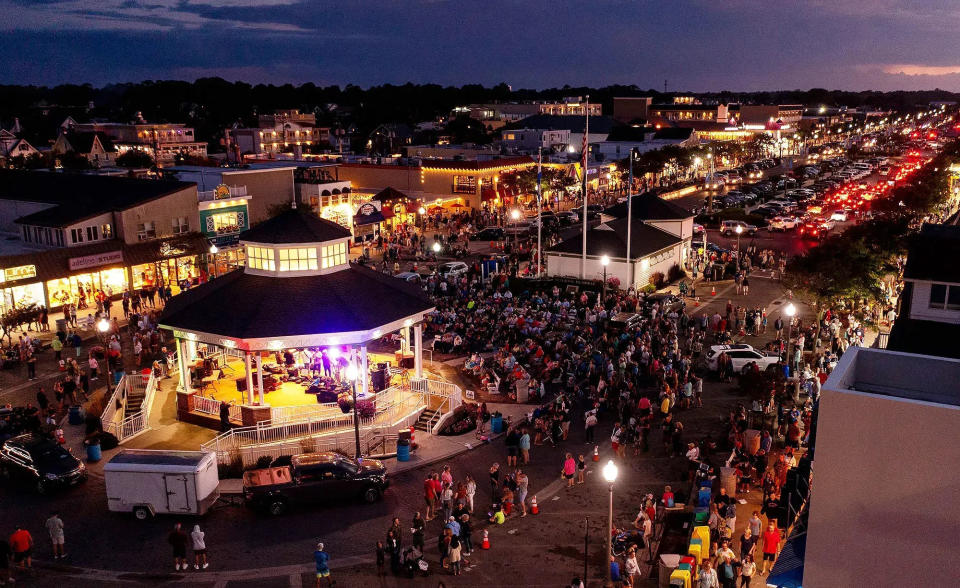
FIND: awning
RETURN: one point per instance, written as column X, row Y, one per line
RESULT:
column 788, row 571
column 151, row 251
column 487, row 193
column 387, row 213
column 368, row 219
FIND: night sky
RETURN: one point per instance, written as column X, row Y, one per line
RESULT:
column 698, row 45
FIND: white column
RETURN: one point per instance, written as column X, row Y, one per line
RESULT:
column 249, row 373
column 363, row 372
column 418, row 353
column 260, row 376
column 182, row 364
column 405, row 347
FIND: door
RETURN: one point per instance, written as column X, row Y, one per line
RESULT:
column 178, row 498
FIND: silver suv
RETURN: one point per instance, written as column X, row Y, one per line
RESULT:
column 729, row 227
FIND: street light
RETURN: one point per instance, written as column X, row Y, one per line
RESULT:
column 605, row 261
column 352, row 374
column 738, row 230
column 610, row 475
column 103, row 326
column 213, row 252
column 422, row 221
column 790, row 311
column 436, row 247
column 515, row 215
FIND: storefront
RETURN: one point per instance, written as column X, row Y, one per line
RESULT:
column 178, row 261
column 366, row 222
column 18, row 296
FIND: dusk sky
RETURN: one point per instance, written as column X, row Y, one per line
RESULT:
column 698, row 45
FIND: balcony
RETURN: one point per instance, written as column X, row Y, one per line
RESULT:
column 221, row 194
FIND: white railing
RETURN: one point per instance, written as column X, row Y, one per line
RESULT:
column 116, row 421
column 394, row 408
column 209, row 195
column 112, row 415
column 211, row 406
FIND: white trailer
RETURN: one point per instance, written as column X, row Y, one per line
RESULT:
column 147, row 482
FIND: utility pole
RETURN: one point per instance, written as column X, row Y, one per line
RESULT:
column 629, row 221
column 539, row 208
column 586, row 152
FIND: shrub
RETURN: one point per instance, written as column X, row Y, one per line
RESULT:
column 649, row 289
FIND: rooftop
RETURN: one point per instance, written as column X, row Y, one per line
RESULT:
column 75, row 197
column 644, row 240
column 929, row 248
column 649, row 206
column 905, row 376
column 296, row 225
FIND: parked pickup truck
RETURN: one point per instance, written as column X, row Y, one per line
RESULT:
column 314, row 478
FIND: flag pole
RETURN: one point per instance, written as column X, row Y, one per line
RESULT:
column 586, row 151
column 630, row 219
column 539, row 208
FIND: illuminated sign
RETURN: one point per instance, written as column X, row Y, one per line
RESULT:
column 99, row 259
column 221, row 192
column 20, row 272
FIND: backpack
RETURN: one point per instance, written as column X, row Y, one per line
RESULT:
column 731, row 511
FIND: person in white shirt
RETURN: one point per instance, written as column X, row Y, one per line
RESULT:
column 199, row 549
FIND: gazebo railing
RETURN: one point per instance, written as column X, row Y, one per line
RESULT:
column 117, row 421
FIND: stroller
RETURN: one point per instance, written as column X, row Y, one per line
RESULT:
column 413, row 563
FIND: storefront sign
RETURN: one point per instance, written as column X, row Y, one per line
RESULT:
column 77, row 263
column 20, row 272
column 171, row 250
column 221, row 192
column 367, row 209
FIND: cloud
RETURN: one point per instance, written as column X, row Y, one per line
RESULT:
column 913, row 69
column 137, row 15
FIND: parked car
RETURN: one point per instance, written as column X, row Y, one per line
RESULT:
column 314, row 478
column 452, row 268
column 697, row 229
column 412, row 277
column 741, row 355
column 568, row 217
column 839, row 215
column 488, row 234
column 729, row 228
column 40, row 462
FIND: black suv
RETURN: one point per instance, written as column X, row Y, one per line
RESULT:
column 488, row 234
column 40, row 462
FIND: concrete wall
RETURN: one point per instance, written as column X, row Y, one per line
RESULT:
column 267, row 187
column 885, row 509
column 161, row 212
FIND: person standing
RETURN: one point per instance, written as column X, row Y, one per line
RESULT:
column 523, row 484
column 569, row 469
column 199, row 548
column 21, row 543
column 178, row 541
column 471, row 491
column 631, row 568
column 54, row 527
column 225, row 416
column 418, row 532
column 525, row 445
column 322, row 560
column 771, row 545
column 747, row 569
column 381, row 553
column 707, row 576
column 430, row 497
column 465, row 535
column 57, row 345
column 590, row 422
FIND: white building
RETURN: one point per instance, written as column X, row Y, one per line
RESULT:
column 659, row 239
column 885, row 502
column 529, row 140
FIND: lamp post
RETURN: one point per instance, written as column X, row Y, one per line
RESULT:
column 216, row 267
column 423, row 221
column 738, row 230
column 436, row 248
column 710, row 179
column 103, row 326
column 352, row 374
column 790, row 311
column 610, row 475
column 515, row 216
column 605, row 261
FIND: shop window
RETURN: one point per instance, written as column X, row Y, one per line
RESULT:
column 93, row 234
column 334, row 255
column 180, row 225
column 106, row 230
column 298, row 259
column 226, row 223
column 76, row 235
column 146, row 230
column 261, row 258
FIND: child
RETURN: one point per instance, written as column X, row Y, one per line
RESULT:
column 581, row 469
column 381, row 558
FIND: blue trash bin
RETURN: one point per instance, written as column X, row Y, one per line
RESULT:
column 403, row 452
column 93, row 452
column 75, row 416
column 496, row 424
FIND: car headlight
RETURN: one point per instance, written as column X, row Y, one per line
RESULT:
column 50, row 476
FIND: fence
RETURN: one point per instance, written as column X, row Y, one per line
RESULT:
column 395, row 408
column 211, row 406
column 115, row 419
column 290, row 414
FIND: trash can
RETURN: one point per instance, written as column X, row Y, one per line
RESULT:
column 496, row 424
column 403, row 449
column 75, row 416
column 93, row 452
column 61, row 325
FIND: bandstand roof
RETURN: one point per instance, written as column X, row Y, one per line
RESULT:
column 296, row 225
column 253, row 311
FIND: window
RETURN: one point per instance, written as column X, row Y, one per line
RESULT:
column 226, row 223
column 465, row 184
column 334, row 255
column 93, row 234
column 180, row 225
column 298, row 259
column 945, row 297
column 146, row 230
column 260, row 258
column 60, row 237
column 106, row 230
column 76, row 236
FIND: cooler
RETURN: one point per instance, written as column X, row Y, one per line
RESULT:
column 706, row 483
column 668, row 563
column 703, row 497
column 701, row 515
column 690, row 561
column 680, row 578
column 695, row 550
column 702, row 532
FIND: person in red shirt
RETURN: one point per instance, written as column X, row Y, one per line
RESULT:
column 429, row 496
column 771, row 544
column 21, row 543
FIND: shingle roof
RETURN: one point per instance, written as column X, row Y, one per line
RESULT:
column 929, row 249
column 249, row 306
column 79, row 196
column 644, row 240
column 648, row 206
column 83, row 142
column 295, row 226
